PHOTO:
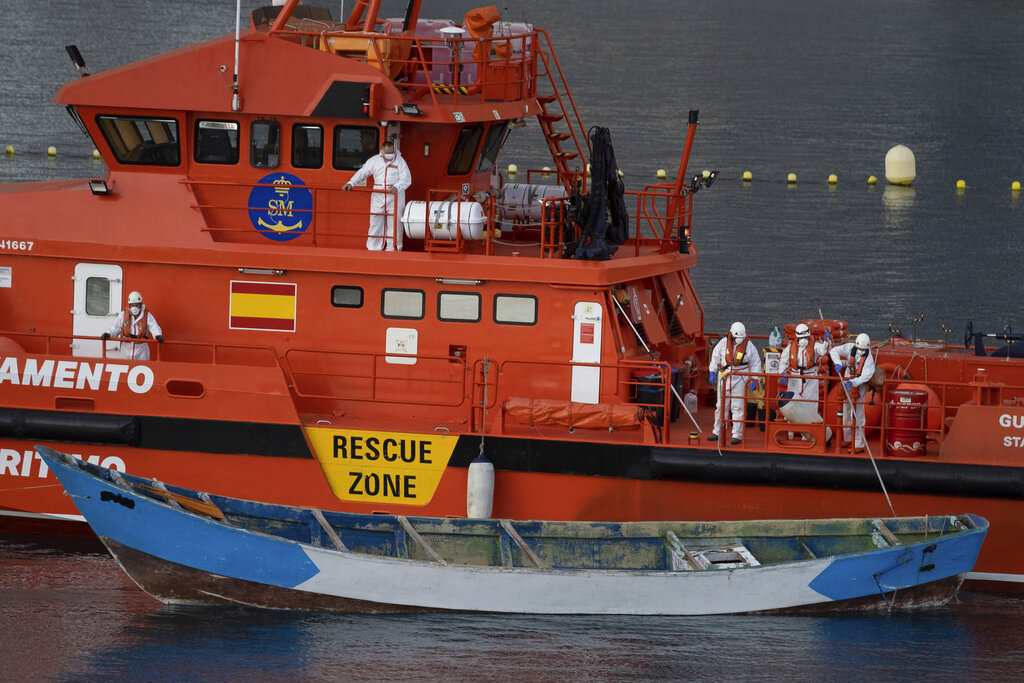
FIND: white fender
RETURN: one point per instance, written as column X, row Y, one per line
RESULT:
column 480, row 488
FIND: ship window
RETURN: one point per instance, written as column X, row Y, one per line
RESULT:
column 216, row 142
column 265, row 144
column 140, row 140
column 515, row 310
column 402, row 303
column 458, row 306
column 346, row 297
column 465, row 150
column 307, row 146
column 97, row 296
column 492, row 144
column 353, row 145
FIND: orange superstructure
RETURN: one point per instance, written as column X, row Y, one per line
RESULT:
column 550, row 327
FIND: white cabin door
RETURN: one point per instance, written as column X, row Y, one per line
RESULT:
column 586, row 348
column 97, row 303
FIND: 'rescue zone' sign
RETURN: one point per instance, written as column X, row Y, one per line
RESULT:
column 382, row 467
column 73, row 374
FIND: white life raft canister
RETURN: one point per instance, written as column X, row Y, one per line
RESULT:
column 525, row 203
column 444, row 219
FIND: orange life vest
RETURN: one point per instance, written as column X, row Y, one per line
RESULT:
column 736, row 356
column 853, row 371
column 808, row 363
column 126, row 326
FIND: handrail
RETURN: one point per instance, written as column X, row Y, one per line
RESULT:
column 52, row 344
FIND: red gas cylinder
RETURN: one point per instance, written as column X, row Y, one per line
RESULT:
column 906, row 412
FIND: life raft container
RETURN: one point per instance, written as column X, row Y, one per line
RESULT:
column 838, row 329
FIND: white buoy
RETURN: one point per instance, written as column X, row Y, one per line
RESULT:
column 480, row 488
column 900, row 166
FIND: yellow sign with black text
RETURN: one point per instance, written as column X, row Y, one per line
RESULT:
column 382, row 467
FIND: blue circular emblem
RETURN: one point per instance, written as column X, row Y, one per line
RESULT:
column 281, row 207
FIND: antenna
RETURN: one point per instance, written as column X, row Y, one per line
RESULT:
column 76, row 59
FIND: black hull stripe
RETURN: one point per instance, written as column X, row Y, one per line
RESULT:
column 538, row 455
column 757, row 469
column 157, row 433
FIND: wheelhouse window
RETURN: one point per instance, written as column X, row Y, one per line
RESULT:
column 510, row 309
column 307, row 146
column 353, row 145
column 97, row 296
column 458, row 307
column 407, row 304
column 346, row 297
column 465, row 150
column 265, row 144
column 216, row 142
column 142, row 140
column 492, row 145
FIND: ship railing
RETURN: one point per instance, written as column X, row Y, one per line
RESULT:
column 444, row 68
column 173, row 351
column 633, row 399
column 325, row 378
column 889, row 416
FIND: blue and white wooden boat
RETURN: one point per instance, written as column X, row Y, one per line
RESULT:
column 187, row 547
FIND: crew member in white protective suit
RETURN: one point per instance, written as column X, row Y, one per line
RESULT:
column 859, row 366
column 391, row 177
column 733, row 354
column 803, row 358
column 135, row 322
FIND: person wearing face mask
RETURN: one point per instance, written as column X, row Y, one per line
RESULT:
column 391, row 177
column 804, row 358
column 859, row 366
column 733, row 354
column 135, row 322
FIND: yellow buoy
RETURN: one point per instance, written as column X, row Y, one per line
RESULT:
column 900, row 166
column 960, row 185
column 546, row 172
column 705, row 174
column 748, row 176
column 621, row 174
column 51, row 151
column 791, row 178
column 9, row 150
column 661, row 174
column 872, row 180
column 95, row 153
column 832, row 179
column 1015, row 186
column 512, row 169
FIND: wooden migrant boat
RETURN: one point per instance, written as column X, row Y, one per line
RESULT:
column 181, row 546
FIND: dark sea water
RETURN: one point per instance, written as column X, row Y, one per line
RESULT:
column 801, row 86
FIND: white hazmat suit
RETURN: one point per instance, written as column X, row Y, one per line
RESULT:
column 727, row 359
column 385, row 207
column 857, row 369
column 801, row 357
column 135, row 350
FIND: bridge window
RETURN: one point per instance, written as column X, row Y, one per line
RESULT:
column 353, row 145
column 141, row 140
column 465, row 150
column 265, row 144
column 510, row 309
column 216, row 142
column 458, row 307
column 402, row 303
column 492, row 144
column 346, row 297
column 307, row 146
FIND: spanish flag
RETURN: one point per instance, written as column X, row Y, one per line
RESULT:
column 262, row 306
